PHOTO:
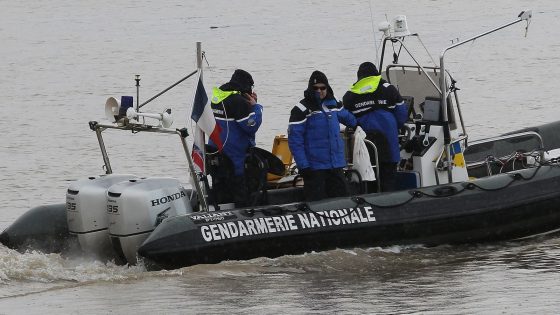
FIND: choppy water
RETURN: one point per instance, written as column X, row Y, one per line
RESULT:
column 60, row 60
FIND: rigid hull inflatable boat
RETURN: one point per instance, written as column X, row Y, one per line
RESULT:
column 505, row 206
column 451, row 190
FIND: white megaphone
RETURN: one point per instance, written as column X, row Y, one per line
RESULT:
column 165, row 118
column 112, row 109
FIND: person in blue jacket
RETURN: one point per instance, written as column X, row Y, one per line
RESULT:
column 239, row 116
column 315, row 142
column 381, row 112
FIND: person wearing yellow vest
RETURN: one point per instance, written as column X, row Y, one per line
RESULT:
column 381, row 112
column 239, row 116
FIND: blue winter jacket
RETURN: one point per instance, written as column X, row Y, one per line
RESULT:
column 238, row 122
column 379, row 107
column 314, row 133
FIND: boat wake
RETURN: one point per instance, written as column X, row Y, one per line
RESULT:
column 70, row 270
column 349, row 261
column 33, row 272
column 40, row 267
column 36, row 272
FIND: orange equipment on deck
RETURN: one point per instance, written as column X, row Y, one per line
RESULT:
column 282, row 151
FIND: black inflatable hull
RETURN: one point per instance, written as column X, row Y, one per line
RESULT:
column 507, row 206
column 42, row 228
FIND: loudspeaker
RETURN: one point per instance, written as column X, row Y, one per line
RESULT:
column 112, row 109
column 165, row 118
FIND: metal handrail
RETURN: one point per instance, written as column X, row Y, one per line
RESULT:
column 378, row 179
column 417, row 66
column 523, row 16
column 99, row 128
column 510, row 136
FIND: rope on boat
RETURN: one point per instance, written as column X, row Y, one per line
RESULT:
column 305, row 207
column 448, row 191
column 440, row 192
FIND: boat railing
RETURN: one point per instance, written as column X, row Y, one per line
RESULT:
column 421, row 90
column 444, row 88
column 376, row 167
column 484, row 151
column 523, row 16
column 136, row 128
column 348, row 136
column 421, row 69
column 132, row 127
column 517, row 137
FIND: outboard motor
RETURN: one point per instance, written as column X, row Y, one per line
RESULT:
column 86, row 212
column 137, row 206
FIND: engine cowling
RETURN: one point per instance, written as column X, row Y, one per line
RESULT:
column 136, row 207
column 86, row 214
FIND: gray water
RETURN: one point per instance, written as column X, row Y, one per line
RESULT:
column 60, row 60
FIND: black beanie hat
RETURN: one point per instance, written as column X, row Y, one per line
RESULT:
column 367, row 69
column 242, row 80
column 318, row 77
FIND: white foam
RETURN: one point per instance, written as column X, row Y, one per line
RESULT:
column 40, row 267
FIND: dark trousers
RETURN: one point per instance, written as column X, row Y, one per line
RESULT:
column 321, row 184
column 387, row 170
column 232, row 189
column 388, row 176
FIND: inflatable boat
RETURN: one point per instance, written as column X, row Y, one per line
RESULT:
column 451, row 190
column 505, row 206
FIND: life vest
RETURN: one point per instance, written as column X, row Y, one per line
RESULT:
column 219, row 96
column 366, row 85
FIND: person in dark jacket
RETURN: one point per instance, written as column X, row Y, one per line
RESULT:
column 381, row 112
column 239, row 116
column 315, row 142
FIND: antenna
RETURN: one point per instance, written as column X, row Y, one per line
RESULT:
column 374, row 38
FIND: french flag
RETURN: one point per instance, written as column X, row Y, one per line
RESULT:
column 205, row 124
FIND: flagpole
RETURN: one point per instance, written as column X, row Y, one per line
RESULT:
column 183, row 133
column 200, row 133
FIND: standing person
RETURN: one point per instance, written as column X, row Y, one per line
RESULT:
column 381, row 112
column 315, row 142
column 239, row 116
